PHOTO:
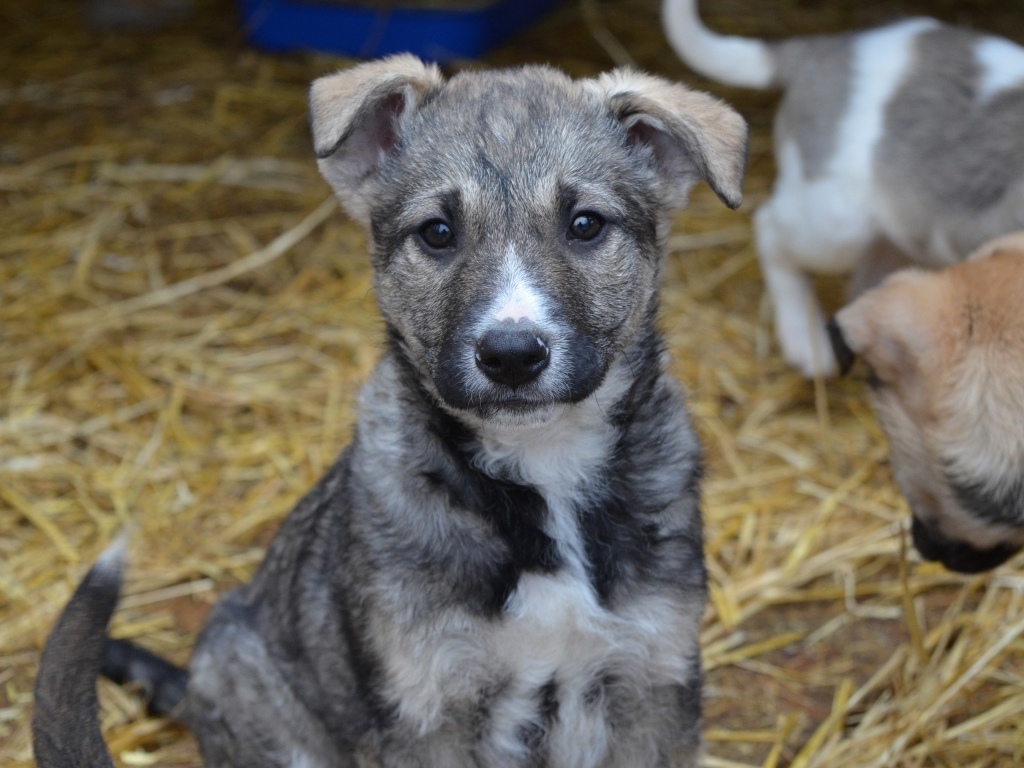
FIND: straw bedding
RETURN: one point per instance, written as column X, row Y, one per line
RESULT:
column 185, row 318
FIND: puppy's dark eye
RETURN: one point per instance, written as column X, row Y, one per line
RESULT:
column 585, row 226
column 437, row 234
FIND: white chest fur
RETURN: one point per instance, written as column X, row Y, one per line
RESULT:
column 554, row 633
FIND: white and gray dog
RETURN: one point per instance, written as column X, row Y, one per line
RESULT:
column 899, row 144
column 505, row 566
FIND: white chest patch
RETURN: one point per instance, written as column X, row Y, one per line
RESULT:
column 555, row 634
column 554, row 637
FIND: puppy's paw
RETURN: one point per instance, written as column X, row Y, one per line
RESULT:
column 807, row 348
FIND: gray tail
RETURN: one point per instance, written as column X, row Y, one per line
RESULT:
column 65, row 726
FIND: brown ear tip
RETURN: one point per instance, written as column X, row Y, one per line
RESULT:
column 731, row 199
column 845, row 356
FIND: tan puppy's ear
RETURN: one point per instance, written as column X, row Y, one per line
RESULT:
column 356, row 116
column 1011, row 242
column 892, row 327
column 692, row 135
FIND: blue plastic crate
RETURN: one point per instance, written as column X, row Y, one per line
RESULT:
column 364, row 32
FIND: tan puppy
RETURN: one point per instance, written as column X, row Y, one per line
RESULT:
column 947, row 352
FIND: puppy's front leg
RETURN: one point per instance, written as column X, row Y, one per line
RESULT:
column 799, row 320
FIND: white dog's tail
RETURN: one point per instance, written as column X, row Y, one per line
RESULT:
column 743, row 61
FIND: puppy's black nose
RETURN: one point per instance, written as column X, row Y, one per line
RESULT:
column 512, row 354
column 845, row 356
column 958, row 556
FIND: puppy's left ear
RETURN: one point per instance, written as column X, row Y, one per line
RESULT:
column 692, row 135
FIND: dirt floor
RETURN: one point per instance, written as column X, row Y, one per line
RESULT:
column 184, row 322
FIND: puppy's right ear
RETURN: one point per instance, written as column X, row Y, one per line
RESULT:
column 357, row 118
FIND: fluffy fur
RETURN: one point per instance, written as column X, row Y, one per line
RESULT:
column 494, row 572
column 892, row 144
column 947, row 354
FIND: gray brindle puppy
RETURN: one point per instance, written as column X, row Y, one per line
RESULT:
column 505, row 566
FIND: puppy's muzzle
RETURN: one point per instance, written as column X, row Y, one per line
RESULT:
column 512, row 354
column 956, row 555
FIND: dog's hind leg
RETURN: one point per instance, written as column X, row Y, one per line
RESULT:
column 881, row 260
column 244, row 711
